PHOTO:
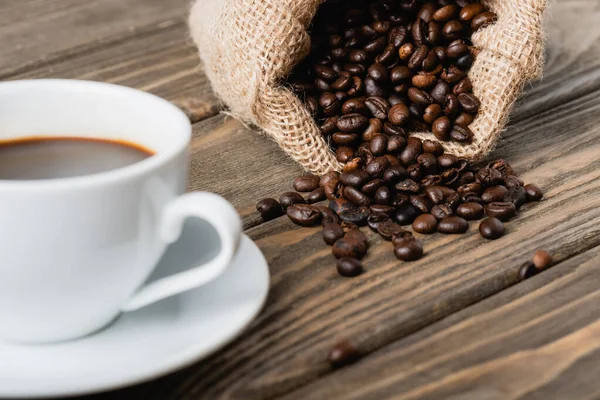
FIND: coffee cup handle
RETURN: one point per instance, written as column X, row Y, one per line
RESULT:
column 225, row 220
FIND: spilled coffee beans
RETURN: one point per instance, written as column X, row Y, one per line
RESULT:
column 414, row 184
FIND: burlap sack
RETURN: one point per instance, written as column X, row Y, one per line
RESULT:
column 248, row 47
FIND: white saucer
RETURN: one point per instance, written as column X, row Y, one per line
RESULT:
column 147, row 343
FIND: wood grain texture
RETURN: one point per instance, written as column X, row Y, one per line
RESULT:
column 310, row 307
column 554, row 142
column 37, row 31
column 162, row 62
column 537, row 340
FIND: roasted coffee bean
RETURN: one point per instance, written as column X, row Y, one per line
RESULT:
column 290, row 198
column 406, row 214
column 491, row 229
column 378, row 72
column 387, row 229
column 461, row 133
column 440, row 91
column 470, row 211
column 471, row 10
column 383, row 196
column 435, row 194
column 464, row 119
column 407, row 185
column 423, row 81
column 390, row 129
column 419, row 32
column 304, row 215
column 332, row 176
column 425, row 223
column 352, row 123
column 456, row 49
column 356, row 178
column 332, row 233
column 432, row 113
column 325, row 72
column 394, row 174
column 378, row 107
column 406, row 51
column 414, row 172
column 504, row 211
column 417, row 58
column 517, row 196
column 388, row 57
column 374, row 88
column 465, row 62
column 376, row 167
column 306, row 183
column 441, row 211
column 422, row 203
column 453, row 225
column 489, row 177
column 433, row 147
column 328, row 216
column 398, row 114
column 473, row 187
column 527, row 270
column 348, row 247
column 447, row 161
column 358, row 56
column 356, row 196
column 494, row 194
column 349, row 267
column 376, row 219
column 452, row 106
column 400, row 75
column 269, row 209
column 395, row 143
column 482, row 20
column 469, row 102
column 375, row 127
column 452, row 74
column 316, row 196
column 542, row 259
column 371, row 187
column 348, row 226
column 419, row 96
column 416, row 111
column 401, row 238
column 330, row 104
column 343, row 138
column 453, row 30
column 344, row 154
column 533, row 192
column 356, row 216
column 323, row 85
column 376, row 46
column 464, row 87
column 409, row 250
column 428, row 163
column 397, row 36
column 343, row 353
column 358, row 85
column 512, row 182
column 312, row 104
column 343, row 83
column 329, row 126
column 383, row 209
column 441, row 128
column 355, row 105
column 353, row 164
column 413, row 148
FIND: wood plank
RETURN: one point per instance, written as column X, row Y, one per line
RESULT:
column 537, row 340
column 161, row 62
column 39, row 31
column 310, row 307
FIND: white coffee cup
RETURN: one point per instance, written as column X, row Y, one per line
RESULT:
column 76, row 252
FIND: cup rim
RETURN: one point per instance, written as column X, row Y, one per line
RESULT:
column 115, row 175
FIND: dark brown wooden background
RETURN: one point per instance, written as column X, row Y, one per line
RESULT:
column 456, row 324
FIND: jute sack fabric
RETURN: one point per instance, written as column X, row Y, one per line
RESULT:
column 248, row 48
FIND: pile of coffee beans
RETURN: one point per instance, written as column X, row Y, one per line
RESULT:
column 412, row 183
column 391, row 67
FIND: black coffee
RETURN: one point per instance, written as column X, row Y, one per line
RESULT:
column 52, row 158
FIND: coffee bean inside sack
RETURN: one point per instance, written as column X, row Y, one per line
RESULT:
column 377, row 71
column 391, row 67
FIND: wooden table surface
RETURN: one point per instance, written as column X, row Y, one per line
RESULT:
column 456, row 324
